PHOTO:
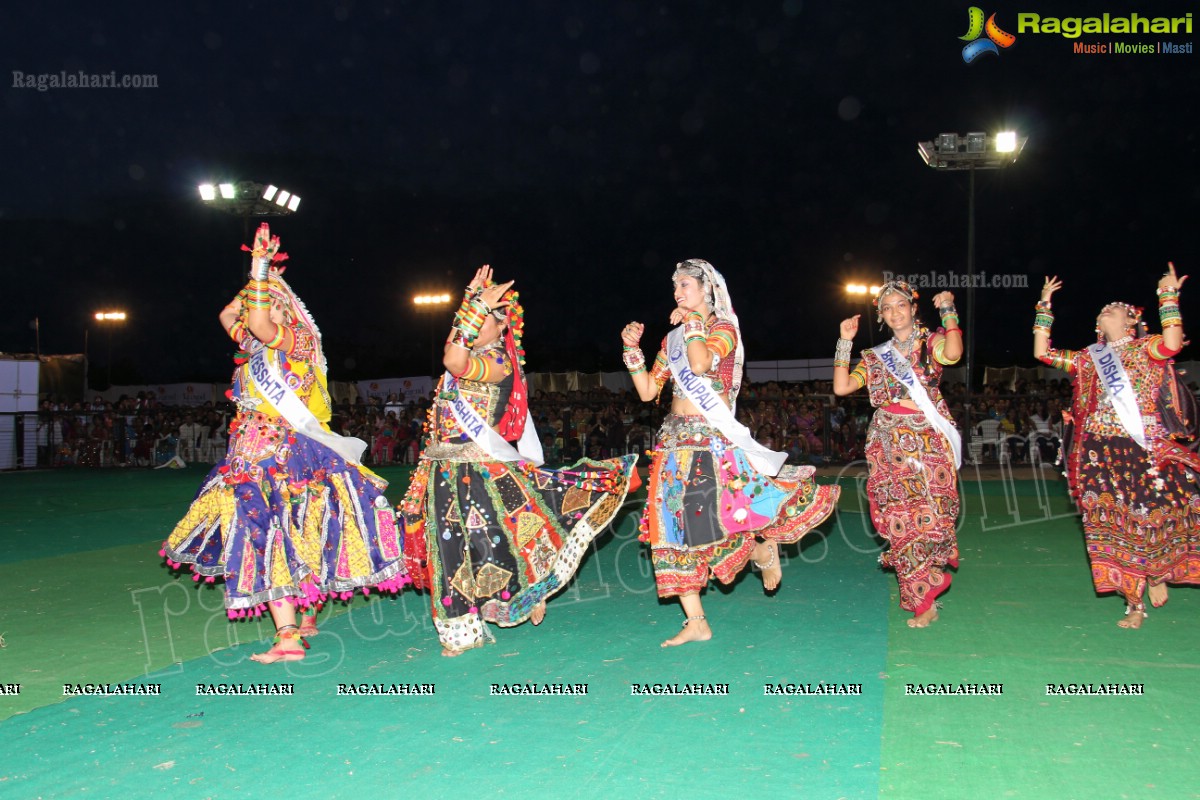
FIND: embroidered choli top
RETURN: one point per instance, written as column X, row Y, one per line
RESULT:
column 487, row 397
column 294, row 359
column 721, row 340
column 885, row 390
column 1145, row 362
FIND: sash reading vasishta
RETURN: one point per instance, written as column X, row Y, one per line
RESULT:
column 271, row 385
column 1119, row 390
column 698, row 390
column 899, row 368
column 529, row 447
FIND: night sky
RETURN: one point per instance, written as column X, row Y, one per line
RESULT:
column 582, row 149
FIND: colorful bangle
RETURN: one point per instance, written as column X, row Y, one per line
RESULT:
column 258, row 294
column 1043, row 305
column 277, row 339
column 237, row 330
column 841, row 352
column 459, row 338
column 947, row 319
column 1041, row 329
column 633, row 358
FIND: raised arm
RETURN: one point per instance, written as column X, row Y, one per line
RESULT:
column 1168, row 310
column 843, row 383
column 635, row 361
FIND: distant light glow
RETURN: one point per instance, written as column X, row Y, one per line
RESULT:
column 110, row 316
column 1006, row 141
column 431, row 299
column 294, row 203
column 227, row 191
column 269, row 192
column 208, row 192
column 282, row 199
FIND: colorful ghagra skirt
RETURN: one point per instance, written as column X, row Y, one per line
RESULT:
column 493, row 539
column 707, row 504
column 284, row 516
column 912, row 486
column 1141, row 522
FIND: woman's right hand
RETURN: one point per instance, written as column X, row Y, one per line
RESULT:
column 482, row 276
column 631, row 334
column 1049, row 287
column 849, row 327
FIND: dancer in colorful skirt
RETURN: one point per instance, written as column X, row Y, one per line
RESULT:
column 913, row 449
column 289, row 516
column 1132, row 480
column 489, row 532
column 714, row 501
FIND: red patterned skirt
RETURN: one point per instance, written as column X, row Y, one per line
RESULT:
column 912, row 486
column 1141, row 522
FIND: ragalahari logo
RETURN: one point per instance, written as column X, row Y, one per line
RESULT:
column 976, row 27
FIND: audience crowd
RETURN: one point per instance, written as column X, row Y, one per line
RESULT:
column 803, row 418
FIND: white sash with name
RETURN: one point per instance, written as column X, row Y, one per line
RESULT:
column 529, row 447
column 698, row 389
column 899, row 368
column 1119, row 390
column 270, row 385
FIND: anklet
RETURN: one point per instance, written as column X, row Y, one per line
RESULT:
column 770, row 561
column 698, row 618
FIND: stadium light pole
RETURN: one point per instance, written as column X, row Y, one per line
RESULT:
column 248, row 199
column 950, row 152
column 862, row 292
column 430, row 304
column 109, row 319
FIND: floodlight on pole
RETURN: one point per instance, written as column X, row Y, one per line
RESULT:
column 953, row 153
column 109, row 317
column 248, row 199
column 431, row 303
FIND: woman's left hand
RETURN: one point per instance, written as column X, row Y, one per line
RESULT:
column 492, row 294
column 943, row 299
column 678, row 315
column 1169, row 279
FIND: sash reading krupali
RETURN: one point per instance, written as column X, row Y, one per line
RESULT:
column 702, row 395
column 529, row 447
column 271, row 385
column 1119, row 390
column 902, row 371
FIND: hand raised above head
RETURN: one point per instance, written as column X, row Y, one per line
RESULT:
column 849, row 327
column 943, row 299
column 492, row 294
column 482, row 276
column 1050, row 286
column 1169, row 280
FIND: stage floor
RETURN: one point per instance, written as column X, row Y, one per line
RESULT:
column 88, row 601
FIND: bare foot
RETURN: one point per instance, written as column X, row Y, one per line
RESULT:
column 450, row 652
column 288, row 647
column 1158, row 594
column 925, row 618
column 695, row 629
column 308, row 625
column 538, row 614
column 766, row 558
column 1133, row 619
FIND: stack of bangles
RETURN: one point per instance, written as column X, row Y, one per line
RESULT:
column 1168, row 308
column 468, row 321
column 841, row 354
column 258, row 294
column 635, row 360
column 1044, row 318
column 693, row 328
column 949, row 315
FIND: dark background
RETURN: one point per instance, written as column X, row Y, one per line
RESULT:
column 582, row 149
